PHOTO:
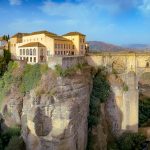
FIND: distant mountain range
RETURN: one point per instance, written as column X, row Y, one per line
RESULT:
column 137, row 46
column 98, row 46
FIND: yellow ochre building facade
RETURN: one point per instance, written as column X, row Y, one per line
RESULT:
column 36, row 47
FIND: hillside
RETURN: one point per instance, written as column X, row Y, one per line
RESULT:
column 99, row 46
column 137, row 46
column 102, row 46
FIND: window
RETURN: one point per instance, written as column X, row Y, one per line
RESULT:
column 20, row 52
column 27, row 52
column 34, row 59
column 23, row 51
column 64, row 46
column 69, row 46
column 34, row 51
column 61, row 46
column 27, row 59
column 30, row 51
column 83, row 40
column 20, row 58
column 64, row 52
column 58, row 46
column 30, row 59
column 72, row 46
column 61, row 52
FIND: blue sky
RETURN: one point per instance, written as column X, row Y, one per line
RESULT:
column 115, row 21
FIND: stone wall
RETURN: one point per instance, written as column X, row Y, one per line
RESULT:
column 65, row 61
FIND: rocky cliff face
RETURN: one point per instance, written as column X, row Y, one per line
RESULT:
column 54, row 114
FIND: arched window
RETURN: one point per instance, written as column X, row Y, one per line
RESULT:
column 34, row 51
column 20, row 51
column 30, row 51
column 27, row 52
column 23, row 51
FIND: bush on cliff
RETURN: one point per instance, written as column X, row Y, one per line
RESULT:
column 2, row 65
column 31, row 76
column 100, row 93
column 128, row 141
column 144, row 112
column 16, row 143
column 6, row 80
column 7, row 135
column 60, row 71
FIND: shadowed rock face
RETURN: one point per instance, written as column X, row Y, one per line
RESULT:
column 57, row 118
column 54, row 114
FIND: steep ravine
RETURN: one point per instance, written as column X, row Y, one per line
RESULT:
column 53, row 111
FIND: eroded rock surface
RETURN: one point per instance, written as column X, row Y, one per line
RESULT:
column 55, row 114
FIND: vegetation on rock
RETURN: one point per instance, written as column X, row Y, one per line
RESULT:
column 99, row 94
column 6, row 80
column 69, row 71
column 128, row 141
column 4, row 62
column 25, row 81
column 10, row 139
column 144, row 112
column 31, row 76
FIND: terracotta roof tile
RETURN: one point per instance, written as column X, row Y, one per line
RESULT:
column 33, row 44
column 73, row 33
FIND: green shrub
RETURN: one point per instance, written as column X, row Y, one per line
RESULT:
column 130, row 141
column 16, row 143
column 99, row 94
column 3, row 65
column 6, row 80
column 31, row 76
column 144, row 112
column 8, row 134
column 68, row 71
column 7, row 56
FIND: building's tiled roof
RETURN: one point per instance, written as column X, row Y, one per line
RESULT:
column 33, row 44
column 60, row 38
column 42, row 32
column 49, row 34
column 73, row 33
column 19, row 35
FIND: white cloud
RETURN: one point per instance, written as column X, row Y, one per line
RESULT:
column 15, row 2
column 145, row 6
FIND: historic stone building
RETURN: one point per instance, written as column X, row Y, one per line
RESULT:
column 38, row 46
